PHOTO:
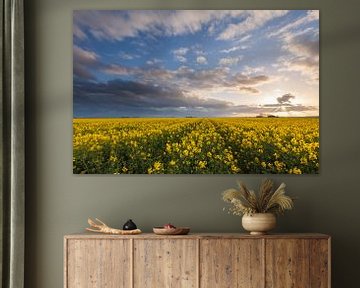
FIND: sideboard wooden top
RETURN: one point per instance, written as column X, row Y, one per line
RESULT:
column 86, row 235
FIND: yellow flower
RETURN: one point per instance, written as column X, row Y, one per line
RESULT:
column 234, row 169
column 303, row 161
column 279, row 165
column 202, row 164
column 157, row 166
column 246, row 141
column 113, row 158
column 295, row 171
column 168, row 147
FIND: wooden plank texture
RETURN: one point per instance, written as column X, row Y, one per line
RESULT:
column 231, row 263
column 198, row 260
column 166, row 263
column 319, row 263
column 287, row 263
column 98, row 264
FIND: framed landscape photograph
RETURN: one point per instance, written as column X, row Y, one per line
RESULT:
column 196, row 92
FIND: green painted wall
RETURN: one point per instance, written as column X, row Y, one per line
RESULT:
column 59, row 203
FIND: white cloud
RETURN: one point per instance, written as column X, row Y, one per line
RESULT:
column 84, row 56
column 181, row 59
column 311, row 15
column 201, row 60
column 229, row 61
column 232, row 49
column 238, row 47
column 127, row 56
column 180, row 53
column 154, row 61
column 117, row 25
column 78, row 33
column 303, row 49
column 253, row 70
column 244, row 39
column 199, row 52
column 255, row 19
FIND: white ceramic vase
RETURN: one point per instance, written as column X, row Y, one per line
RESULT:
column 259, row 223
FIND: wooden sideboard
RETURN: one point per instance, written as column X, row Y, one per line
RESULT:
column 197, row 260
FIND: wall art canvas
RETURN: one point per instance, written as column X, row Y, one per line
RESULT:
column 195, row 92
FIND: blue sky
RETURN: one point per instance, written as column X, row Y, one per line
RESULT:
column 200, row 63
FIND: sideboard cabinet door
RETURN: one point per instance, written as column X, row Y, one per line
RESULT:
column 297, row 263
column 231, row 263
column 165, row 263
column 287, row 263
column 98, row 263
column 320, row 263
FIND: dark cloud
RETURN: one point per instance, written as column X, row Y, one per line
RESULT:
column 304, row 51
column 188, row 78
column 130, row 99
column 249, row 80
column 83, row 72
column 248, row 89
column 158, row 92
column 84, row 62
column 114, row 69
column 120, row 98
column 286, row 98
column 275, row 109
column 288, row 107
column 306, row 44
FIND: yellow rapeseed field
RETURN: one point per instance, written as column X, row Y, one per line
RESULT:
column 196, row 146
